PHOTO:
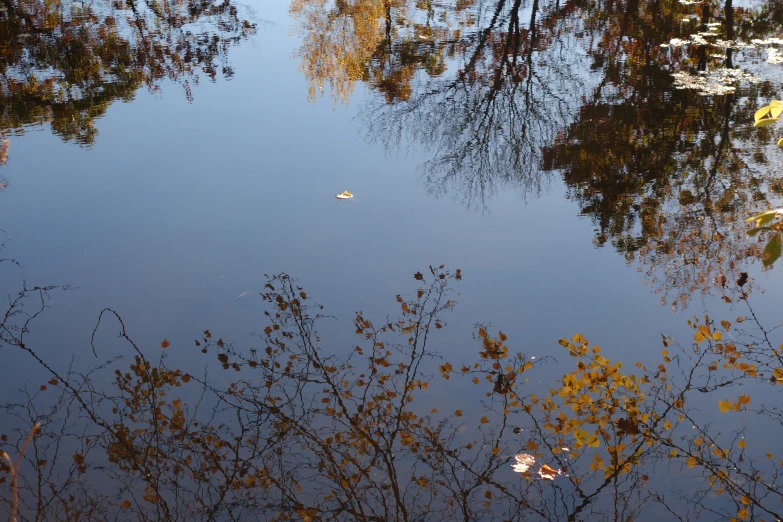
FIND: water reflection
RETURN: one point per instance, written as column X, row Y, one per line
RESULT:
column 511, row 95
column 64, row 63
column 290, row 431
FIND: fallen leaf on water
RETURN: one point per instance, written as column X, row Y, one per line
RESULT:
column 524, row 461
column 344, row 195
column 548, row 473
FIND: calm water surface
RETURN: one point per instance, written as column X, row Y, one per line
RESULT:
column 165, row 157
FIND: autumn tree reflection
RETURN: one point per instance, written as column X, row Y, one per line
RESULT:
column 296, row 429
column 527, row 92
column 64, row 63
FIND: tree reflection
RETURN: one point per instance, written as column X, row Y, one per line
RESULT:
column 294, row 430
column 64, row 63
column 527, row 91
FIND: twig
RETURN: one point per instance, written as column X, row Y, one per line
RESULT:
column 15, row 470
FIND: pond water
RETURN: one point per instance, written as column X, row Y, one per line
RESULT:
column 588, row 166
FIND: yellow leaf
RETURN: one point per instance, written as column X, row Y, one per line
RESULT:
column 724, row 406
column 761, row 113
column 741, row 444
column 125, row 504
column 743, row 514
column 744, row 399
column 165, row 344
column 690, row 462
column 458, row 413
column 344, row 195
column 484, row 420
column 765, row 121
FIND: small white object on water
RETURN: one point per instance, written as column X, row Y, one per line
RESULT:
column 524, row 461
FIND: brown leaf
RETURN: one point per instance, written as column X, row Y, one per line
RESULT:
column 165, row 344
column 548, row 473
column 627, row 427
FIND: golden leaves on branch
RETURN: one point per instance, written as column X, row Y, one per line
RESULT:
column 726, row 405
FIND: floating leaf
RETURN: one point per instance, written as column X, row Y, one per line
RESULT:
column 764, row 217
column 524, row 461
column 165, row 344
column 766, row 121
column 753, row 231
column 344, row 195
column 548, row 473
column 761, row 114
column 771, row 251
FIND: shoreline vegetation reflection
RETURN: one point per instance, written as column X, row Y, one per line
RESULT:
column 63, row 63
column 642, row 109
column 287, row 430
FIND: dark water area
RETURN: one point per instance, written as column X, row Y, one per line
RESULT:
column 580, row 169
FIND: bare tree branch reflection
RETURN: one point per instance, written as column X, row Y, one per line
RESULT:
column 291, row 430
